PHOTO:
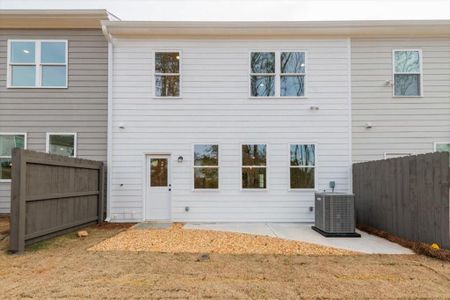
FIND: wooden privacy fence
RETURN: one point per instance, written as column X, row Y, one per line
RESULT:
column 52, row 195
column 407, row 196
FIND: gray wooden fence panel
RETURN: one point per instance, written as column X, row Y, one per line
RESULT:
column 407, row 196
column 52, row 195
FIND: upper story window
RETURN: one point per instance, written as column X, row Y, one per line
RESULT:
column 37, row 64
column 254, row 166
column 302, row 166
column 9, row 141
column 62, row 144
column 167, row 74
column 206, row 166
column 277, row 74
column 407, row 73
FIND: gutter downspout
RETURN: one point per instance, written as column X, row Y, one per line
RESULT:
column 109, row 134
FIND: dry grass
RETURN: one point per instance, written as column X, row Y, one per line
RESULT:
column 63, row 268
column 178, row 240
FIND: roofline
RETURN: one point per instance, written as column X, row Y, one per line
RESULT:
column 221, row 29
column 53, row 19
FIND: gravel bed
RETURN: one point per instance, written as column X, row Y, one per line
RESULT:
column 175, row 239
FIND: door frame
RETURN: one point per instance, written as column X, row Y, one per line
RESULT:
column 146, row 159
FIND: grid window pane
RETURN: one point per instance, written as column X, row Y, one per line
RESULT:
column 158, row 172
column 254, row 155
column 206, row 155
column 23, row 76
column 54, row 76
column 292, row 85
column 407, row 84
column 292, row 62
column 53, row 52
column 167, row 86
column 263, row 86
column 62, row 144
column 263, row 62
column 167, row 62
column 407, row 61
column 9, row 142
column 302, row 155
column 23, row 52
column 254, row 178
column 206, row 178
column 443, row 147
column 5, row 168
column 302, row 178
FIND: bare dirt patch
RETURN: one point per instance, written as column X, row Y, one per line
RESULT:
column 175, row 239
column 63, row 268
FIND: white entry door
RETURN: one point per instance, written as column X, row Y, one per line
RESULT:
column 157, row 205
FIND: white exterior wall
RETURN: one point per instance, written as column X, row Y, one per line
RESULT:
column 215, row 108
column 399, row 124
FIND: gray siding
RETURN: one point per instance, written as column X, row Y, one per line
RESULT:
column 399, row 124
column 81, row 108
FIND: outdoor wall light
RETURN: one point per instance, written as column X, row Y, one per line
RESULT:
column 121, row 125
column 180, row 159
column 368, row 125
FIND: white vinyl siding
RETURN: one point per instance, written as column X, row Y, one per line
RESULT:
column 399, row 124
column 216, row 107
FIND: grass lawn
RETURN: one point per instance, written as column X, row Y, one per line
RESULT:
column 63, row 268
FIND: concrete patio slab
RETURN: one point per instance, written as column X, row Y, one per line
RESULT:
column 367, row 243
column 151, row 225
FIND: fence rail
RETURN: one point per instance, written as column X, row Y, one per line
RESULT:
column 407, row 196
column 52, row 195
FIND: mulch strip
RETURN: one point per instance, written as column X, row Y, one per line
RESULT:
column 417, row 247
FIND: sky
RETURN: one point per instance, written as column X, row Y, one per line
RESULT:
column 251, row 10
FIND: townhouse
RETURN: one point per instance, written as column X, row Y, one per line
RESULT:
column 53, row 86
column 221, row 121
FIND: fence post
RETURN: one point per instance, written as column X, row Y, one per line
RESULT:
column 101, row 193
column 18, row 190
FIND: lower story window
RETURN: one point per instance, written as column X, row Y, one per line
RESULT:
column 302, row 166
column 206, row 166
column 9, row 141
column 442, row 147
column 254, row 166
column 64, row 144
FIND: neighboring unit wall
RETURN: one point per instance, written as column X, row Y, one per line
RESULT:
column 215, row 108
column 80, row 108
column 403, row 125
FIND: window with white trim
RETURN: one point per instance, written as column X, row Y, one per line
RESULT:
column 302, row 166
column 277, row 74
column 388, row 155
column 167, row 74
column 64, row 144
column 9, row 141
column 442, row 147
column 37, row 64
column 254, row 166
column 206, row 166
column 407, row 73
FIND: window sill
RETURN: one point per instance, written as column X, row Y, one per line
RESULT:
column 37, row 87
column 205, row 190
column 302, row 190
column 254, row 190
column 277, row 98
column 167, row 98
column 5, row 180
column 408, row 96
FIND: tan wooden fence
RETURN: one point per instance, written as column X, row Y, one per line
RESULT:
column 52, row 195
column 407, row 196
